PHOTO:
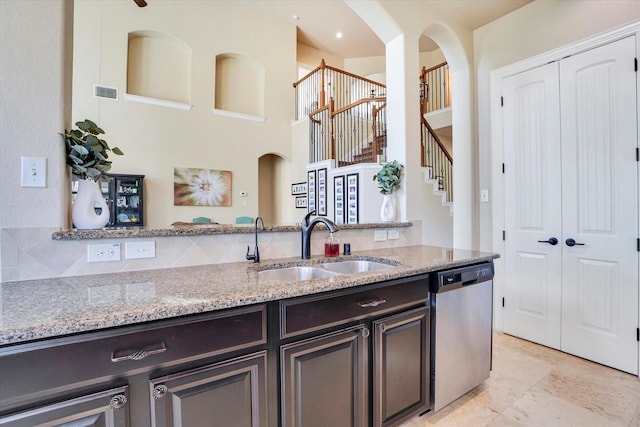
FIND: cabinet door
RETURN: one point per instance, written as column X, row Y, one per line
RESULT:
column 226, row 394
column 400, row 366
column 324, row 380
column 103, row 409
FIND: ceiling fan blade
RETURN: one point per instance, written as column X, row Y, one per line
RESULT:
column 141, row 3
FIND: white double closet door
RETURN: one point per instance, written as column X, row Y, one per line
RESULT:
column 570, row 140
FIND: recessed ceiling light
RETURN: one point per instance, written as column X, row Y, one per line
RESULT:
column 295, row 17
column 338, row 35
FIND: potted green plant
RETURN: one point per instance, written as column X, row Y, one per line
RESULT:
column 87, row 156
column 388, row 182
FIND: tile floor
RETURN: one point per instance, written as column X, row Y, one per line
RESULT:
column 532, row 385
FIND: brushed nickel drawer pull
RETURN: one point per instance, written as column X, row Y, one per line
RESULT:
column 373, row 303
column 159, row 391
column 138, row 354
column 117, row 402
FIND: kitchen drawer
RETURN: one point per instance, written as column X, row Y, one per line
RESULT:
column 54, row 366
column 308, row 314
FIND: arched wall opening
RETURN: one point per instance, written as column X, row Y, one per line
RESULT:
column 464, row 151
column 272, row 178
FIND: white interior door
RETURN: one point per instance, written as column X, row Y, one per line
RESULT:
column 532, row 205
column 600, row 205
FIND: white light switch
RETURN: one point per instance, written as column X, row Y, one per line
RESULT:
column 33, row 172
column 484, row 195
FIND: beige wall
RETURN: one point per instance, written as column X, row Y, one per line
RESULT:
column 155, row 139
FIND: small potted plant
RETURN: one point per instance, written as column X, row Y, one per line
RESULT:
column 388, row 182
column 87, row 156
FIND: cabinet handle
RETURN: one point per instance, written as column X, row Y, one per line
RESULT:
column 118, row 401
column 366, row 332
column 382, row 327
column 159, row 391
column 373, row 303
column 138, row 354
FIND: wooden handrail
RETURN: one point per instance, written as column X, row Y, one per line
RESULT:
column 319, row 67
column 323, row 65
column 318, row 111
column 359, row 102
column 435, row 67
column 437, row 139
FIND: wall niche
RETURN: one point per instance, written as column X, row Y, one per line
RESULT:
column 239, row 86
column 158, row 68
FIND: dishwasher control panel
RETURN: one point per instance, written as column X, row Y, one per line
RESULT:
column 454, row 279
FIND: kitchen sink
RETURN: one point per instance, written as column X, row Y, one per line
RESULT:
column 355, row 266
column 319, row 271
column 296, row 273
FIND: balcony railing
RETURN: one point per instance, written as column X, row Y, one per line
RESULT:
column 435, row 88
column 347, row 115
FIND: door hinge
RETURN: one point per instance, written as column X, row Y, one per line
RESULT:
column 504, row 235
column 502, row 101
column 637, row 334
column 637, row 154
column 638, row 245
column 503, row 168
column 635, row 64
column 503, row 301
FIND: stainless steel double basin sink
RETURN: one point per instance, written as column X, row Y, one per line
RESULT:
column 324, row 270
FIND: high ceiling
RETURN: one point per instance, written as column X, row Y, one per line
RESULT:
column 319, row 21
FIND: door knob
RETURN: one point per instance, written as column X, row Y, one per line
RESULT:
column 552, row 241
column 571, row 242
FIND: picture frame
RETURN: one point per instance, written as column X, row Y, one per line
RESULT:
column 322, row 192
column 338, row 199
column 301, row 202
column 352, row 200
column 311, row 190
column 298, row 188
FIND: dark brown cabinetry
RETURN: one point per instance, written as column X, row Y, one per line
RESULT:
column 325, row 380
column 401, row 366
column 114, row 374
column 366, row 361
column 231, row 393
column 105, row 408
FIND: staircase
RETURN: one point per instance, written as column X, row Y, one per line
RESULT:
column 347, row 117
column 436, row 160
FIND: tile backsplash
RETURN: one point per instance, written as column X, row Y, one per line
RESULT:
column 30, row 253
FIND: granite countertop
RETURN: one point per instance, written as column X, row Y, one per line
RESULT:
column 200, row 229
column 39, row 309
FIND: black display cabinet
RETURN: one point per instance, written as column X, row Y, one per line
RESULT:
column 125, row 200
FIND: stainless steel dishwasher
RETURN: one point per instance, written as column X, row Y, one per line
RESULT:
column 461, row 326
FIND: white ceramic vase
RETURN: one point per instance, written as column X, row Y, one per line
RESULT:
column 83, row 213
column 388, row 208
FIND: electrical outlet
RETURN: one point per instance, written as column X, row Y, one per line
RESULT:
column 379, row 235
column 137, row 250
column 484, row 195
column 393, row 234
column 103, row 253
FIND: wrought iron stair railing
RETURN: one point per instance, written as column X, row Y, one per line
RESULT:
column 435, row 94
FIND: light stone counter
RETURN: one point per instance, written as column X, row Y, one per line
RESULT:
column 38, row 309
